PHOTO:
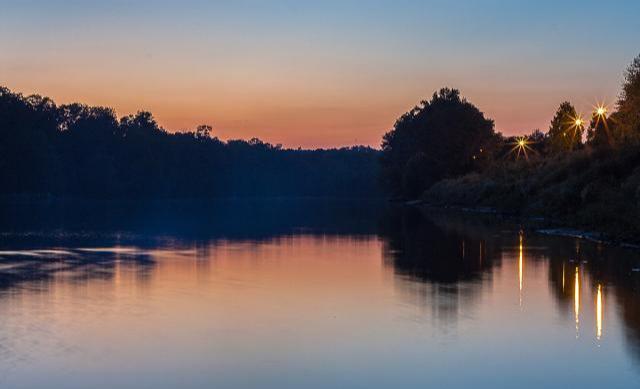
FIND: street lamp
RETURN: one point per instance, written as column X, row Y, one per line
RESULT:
column 601, row 111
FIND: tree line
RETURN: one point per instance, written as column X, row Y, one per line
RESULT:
column 83, row 151
column 448, row 137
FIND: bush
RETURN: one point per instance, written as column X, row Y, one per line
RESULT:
column 598, row 190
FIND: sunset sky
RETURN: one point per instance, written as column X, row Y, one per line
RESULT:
column 318, row 74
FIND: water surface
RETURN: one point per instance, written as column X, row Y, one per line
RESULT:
column 307, row 293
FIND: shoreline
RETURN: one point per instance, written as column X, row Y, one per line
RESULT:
column 545, row 226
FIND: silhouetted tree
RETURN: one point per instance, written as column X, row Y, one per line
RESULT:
column 537, row 136
column 437, row 139
column 627, row 117
column 203, row 131
column 564, row 133
column 78, row 150
column 598, row 134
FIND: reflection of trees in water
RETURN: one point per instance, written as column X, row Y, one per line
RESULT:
column 25, row 227
column 422, row 249
column 443, row 260
column 42, row 267
column 609, row 268
column 563, row 260
column 197, row 220
column 628, row 298
column 438, row 257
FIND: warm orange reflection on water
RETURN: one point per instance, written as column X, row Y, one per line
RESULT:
column 520, row 268
column 576, row 300
column 599, row 313
column 331, row 309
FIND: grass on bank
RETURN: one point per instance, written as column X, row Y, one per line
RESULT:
column 598, row 190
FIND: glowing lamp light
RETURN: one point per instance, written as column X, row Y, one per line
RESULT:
column 520, row 146
column 579, row 122
column 601, row 110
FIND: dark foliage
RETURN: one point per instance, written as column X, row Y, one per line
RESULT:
column 597, row 190
column 627, row 117
column 82, row 151
column 594, row 186
column 564, row 133
column 444, row 137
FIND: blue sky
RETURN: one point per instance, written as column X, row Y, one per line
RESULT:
column 318, row 73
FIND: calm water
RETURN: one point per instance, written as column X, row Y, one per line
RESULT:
column 307, row 294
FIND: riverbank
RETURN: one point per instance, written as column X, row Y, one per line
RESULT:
column 538, row 225
column 584, row 191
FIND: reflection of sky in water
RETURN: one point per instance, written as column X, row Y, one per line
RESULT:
column 438, row 302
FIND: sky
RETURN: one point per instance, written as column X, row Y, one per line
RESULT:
column 318, row 74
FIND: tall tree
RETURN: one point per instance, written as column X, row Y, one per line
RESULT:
column 627, row 118
column 566, row 129
column 437, row 139
column 599, row 134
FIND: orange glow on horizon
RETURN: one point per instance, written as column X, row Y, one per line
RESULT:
column 306, row 113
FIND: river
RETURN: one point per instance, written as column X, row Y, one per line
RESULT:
column 307, row 294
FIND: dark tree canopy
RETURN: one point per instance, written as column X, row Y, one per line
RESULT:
column 627, row 118
column 82, row 151
column 565, row 133
column 444, row 137
column 599, row 133
column 622, row 127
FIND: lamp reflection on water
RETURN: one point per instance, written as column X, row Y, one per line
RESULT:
column 576, row 305
column 599, row 313
column 520, row 270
